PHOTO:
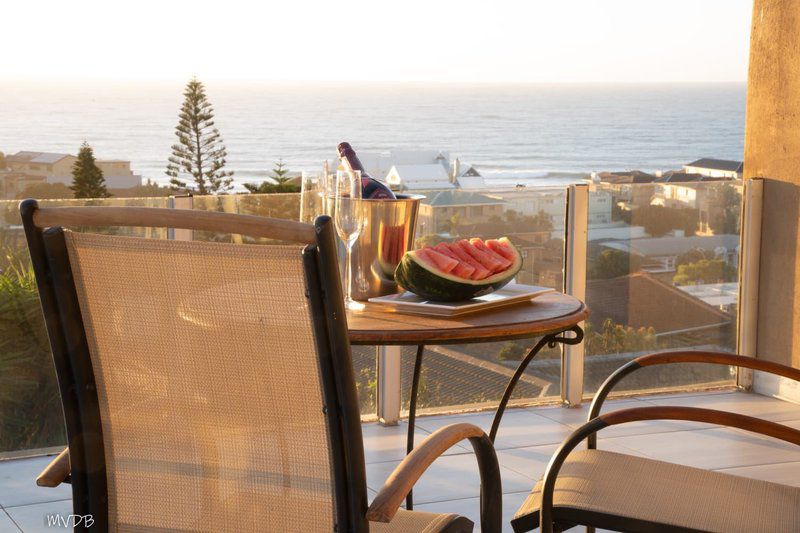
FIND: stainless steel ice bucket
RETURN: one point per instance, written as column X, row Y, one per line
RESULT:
column 388, row 233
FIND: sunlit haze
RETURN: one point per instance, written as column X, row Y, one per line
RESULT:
column 413, row 40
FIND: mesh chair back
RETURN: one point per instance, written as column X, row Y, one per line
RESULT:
column 208, row 383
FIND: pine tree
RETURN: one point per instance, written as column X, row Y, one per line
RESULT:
column 280, row 175
column 199, row 155
column 87, row 178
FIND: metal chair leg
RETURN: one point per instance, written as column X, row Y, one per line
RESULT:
column 412, row 413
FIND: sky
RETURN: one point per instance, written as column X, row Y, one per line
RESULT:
column 556, row 41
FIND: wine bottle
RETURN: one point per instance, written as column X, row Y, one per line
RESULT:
column 371, row 188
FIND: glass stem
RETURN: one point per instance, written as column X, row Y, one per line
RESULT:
column 349, row 271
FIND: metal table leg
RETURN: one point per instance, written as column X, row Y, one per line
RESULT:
column 412, row 413
column 548, row 340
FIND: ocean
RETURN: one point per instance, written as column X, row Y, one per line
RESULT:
column 533, row 134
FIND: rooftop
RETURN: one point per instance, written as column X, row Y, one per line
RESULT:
column 36, row 157
column 642, row 300
column 451, row 198
column 671, row 246
column 716, row 164
column 527, row 439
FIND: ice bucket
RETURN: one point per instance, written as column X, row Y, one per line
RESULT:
column 388, row 233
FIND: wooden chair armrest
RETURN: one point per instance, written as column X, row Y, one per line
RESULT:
column 694, row 414
column 683, row 356
column 56, row 472
column 402, row 480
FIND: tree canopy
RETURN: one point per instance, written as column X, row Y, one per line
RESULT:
column 658, row 220
column 281, row 182
column 705, row 271
column 612, row 263
column 87, row 178
column 198, row 158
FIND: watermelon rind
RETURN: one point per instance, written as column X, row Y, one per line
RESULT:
column 435, row 285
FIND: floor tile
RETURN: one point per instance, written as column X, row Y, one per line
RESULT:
column 576, row 416
column 449, row 477
column 6, row 524
column 33, row 518
column 783, row 473
column 531, row 461
column 744, row 403
column 18, row 483
column 519, row 427
column 470, row 508
column 710, row 448
column 388, row 443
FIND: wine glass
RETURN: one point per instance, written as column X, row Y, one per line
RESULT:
column 349, row 221
column 312, row 196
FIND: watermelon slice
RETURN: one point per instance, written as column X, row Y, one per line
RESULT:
column 480, row 245
column 440, row 261
column 486, row 260
column 419, row 272
column 462, row 270
column 480, row 271
column 502, row 247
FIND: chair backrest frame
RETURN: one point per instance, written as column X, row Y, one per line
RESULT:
column 60, row 305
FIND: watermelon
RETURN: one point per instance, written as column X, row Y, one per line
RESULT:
column 502, row 247
column 480, row 245
column 462, row 270
column 431, row 273
column 464, row 257
column 486, row 260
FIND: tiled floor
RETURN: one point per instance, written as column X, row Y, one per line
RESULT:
column 525, row 443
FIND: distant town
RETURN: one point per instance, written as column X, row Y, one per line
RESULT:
column 662, row 256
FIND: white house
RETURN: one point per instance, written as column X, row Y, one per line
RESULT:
column 418, row 168
column 715, row 168
column 419, row 177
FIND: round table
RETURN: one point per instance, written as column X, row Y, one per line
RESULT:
column 549, row 316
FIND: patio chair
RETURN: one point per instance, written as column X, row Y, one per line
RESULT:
column 620, row 492
column 209, row 386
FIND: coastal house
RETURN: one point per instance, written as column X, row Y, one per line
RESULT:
column 57, row 168
column 50, row 166
column 419, row 178
column 440, row 211
column 627, row 189
column 715, row 168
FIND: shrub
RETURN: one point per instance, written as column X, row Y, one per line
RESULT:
column 30, row 406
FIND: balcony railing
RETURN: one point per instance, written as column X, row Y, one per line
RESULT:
column 657, row 264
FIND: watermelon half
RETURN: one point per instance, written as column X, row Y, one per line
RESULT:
column 480, row 268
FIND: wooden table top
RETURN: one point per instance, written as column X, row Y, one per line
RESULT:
column 546, row 314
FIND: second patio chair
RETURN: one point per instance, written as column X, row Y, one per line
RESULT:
column 209, row 386
column 621, row 492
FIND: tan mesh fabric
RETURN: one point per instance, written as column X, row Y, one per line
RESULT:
column 208, row 385
column 675, row 495
column 417, row 521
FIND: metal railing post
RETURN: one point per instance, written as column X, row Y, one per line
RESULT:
column 576, row 228
column 749, row 262
column 388, row 384
column 185, row 201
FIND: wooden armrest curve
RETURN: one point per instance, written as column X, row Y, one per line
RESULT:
column 389, row 498
column 56, row 472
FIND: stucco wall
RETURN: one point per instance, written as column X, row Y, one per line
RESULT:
column 772, row 151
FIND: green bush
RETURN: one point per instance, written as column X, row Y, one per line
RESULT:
column 30, row 405
column 511, row 351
